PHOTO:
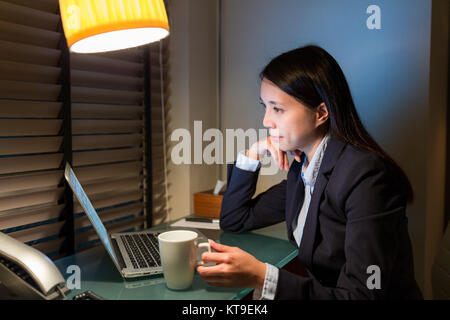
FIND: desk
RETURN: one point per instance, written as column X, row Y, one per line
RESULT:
column 99, row 274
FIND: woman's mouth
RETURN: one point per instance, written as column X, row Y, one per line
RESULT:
column 276, row 138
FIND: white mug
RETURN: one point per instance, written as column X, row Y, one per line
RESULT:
column 178, row 250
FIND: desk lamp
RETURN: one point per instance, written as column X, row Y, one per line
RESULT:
column 107, row 25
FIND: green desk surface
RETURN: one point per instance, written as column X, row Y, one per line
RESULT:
column 99, row 274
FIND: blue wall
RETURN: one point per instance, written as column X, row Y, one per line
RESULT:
column 387, row 70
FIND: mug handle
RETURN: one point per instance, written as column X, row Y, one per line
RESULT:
column 203, row 245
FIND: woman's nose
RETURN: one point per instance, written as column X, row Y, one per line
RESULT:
column 267, row 121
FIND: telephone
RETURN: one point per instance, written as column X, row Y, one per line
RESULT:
column 27, row 273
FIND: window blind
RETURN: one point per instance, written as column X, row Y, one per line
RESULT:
column 107, row 130
column 160, row 108
column 31, row 190
column 95, row 111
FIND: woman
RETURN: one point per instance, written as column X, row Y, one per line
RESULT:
column 343, row 201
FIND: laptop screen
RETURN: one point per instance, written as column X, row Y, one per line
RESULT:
column 88, row 208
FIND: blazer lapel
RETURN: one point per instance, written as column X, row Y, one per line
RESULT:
column 332, row 153
column 296, row 197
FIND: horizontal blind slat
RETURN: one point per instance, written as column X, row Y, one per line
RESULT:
column 29, row 109
column 95, row 95
column 10, row 146
column 113, row 185
column 29, row 181
column 30, row 163
column 39, row 232
column 106, row 126
column 107, row 215
column 102, row 172
column 28, row 72
column 50, row 6
column 29, row 90
column 101, row 64
column 18, row 52
column 28, row 35
column 105, row 141
column 30, row 199
column 131, row 55
column 29, row 127
column 105, row 111
column 105, row 81
column 110, row 199
column 28, row 16
column 106, row 156
column 14, row 218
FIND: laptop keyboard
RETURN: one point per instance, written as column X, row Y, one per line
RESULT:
column 142, row 249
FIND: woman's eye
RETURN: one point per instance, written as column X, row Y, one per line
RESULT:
column 277, row 110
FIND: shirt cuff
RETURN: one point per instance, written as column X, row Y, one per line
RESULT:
column 245, row 163
column 270, row 284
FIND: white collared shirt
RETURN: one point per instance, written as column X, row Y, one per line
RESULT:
column 309, row 175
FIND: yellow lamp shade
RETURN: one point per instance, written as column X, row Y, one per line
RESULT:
column 107, row 25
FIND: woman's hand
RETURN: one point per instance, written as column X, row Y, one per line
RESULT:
column 234, row 268
column 260, row 148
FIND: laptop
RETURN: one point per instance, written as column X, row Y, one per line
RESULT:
column 135, row 254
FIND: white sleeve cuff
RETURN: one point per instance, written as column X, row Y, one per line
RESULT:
column 245, row 163
column 270, row 284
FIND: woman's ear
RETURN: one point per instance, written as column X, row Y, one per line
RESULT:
column 321, row 114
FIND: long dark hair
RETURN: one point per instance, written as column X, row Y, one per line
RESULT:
column 312, row 76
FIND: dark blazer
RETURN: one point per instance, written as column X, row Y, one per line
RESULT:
column 356, row 219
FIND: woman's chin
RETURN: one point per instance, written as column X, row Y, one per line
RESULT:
column 283, row 146
column 287, row 148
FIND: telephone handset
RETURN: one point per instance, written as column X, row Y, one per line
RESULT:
column 27, row 273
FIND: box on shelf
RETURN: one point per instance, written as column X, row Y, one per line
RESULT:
column 207, row 204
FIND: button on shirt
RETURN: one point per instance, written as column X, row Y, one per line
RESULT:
column 309, row 175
